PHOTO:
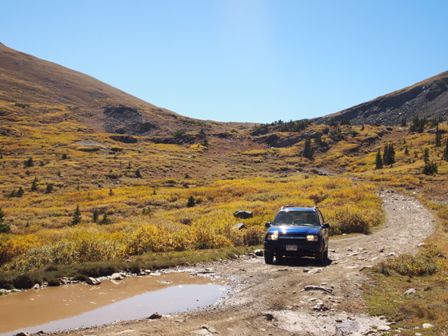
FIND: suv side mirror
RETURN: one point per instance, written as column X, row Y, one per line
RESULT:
column 267, row 225
column 326, row 226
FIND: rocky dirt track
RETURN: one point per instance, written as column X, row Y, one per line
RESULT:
column 300, row 298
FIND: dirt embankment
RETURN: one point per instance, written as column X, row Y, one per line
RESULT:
column 300, row 298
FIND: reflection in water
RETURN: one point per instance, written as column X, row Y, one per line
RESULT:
column 80, row 305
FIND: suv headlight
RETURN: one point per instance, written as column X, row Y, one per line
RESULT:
column 272, row 235
column 312, row 238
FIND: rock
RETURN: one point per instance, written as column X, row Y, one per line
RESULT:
column 320, row 306
column 22, row 334
column 201, row 332
column 93, row 281
column 155, row 316
column 243, row 214
column 383, row 328
column 269, row 316
column 209, row 328
column 36, row 286
column 427, row 326
column 318, row 288
column 239, row 226
column 259, row 252
column 65, row 281
column 117, row 276
column 410, row 291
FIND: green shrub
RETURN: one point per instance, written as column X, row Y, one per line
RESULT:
column 409, row 265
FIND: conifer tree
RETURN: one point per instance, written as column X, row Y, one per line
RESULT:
column 28, row 163
column 438, row 136
column 4, row 228
column 105, row 220
column 49, row 188
column 385, row 153
column 95, row 215
column 391, row 154
column 430, row 167
column 379, row 160
column 308, row 149
column 76, row 217
column 34, row 186
column 445, row 152
column 138, row 173
column 191, row 202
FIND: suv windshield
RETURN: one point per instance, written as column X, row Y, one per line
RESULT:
column 303, row 218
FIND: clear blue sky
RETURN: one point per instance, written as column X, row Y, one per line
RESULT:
column 238, row 60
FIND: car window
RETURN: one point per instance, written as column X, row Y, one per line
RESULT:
column 307, row 218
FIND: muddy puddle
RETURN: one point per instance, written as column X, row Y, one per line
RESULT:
column 81, row 305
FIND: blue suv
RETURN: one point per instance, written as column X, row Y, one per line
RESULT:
column 296, row 232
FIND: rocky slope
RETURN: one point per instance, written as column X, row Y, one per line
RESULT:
column 428, row 98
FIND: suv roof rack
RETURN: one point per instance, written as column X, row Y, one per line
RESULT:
column 296, row 206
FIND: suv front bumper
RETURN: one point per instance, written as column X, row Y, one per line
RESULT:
column 289, row 247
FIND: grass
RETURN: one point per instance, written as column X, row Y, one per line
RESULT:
column 169, row 224
column 53, row 273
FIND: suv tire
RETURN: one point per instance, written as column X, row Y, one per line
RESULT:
column 268, row 258
column 322, row 257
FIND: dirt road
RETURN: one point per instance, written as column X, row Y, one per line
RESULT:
column 300, row 298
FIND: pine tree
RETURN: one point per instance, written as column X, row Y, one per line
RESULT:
column 391, row 154
column 34, row 186
column 20, row 192
column 49, row 188
column 308, row 149
column 430, row 167
column 111, row 192
column 438, row 136
column 379, row 160
column 95, row 215
column 76, row 217
column 4, row 228
column 28, row 163
column 403, row 122
column 406, row 151
column 426, row 155
column 105, row 220
column 445, row 152
column 191, row 202
column 386, row 154
column 138, row 173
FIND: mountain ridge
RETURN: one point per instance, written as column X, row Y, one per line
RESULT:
column 427, row 98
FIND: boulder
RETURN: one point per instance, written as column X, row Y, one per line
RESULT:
column 117, row 276
column 243, row 214
column 410, row 291
column 155, row 316
column 93, row 281
column 259, row 252
column 239, row 226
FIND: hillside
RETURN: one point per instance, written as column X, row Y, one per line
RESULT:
column 49, row 93
column 428, row 98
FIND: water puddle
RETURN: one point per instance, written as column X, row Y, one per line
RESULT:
column 81, row 305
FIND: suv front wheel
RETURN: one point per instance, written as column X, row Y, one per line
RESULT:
column 322, row 257
column 268, row 258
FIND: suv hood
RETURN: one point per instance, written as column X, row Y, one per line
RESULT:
column 291, row 229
